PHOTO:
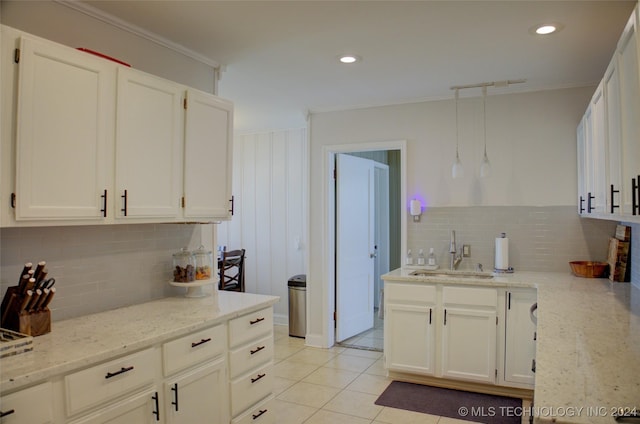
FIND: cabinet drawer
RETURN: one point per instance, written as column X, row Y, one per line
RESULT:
column 193, row 349
column 250, row 327
column 410, row 293
column 19, row 407
column 101, row 383
column 472, row 296
column 262, row 413
column 251, row 388
column 253, row 355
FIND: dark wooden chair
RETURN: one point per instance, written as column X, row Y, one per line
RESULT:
column 231, row 268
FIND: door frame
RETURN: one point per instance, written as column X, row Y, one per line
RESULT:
column 329, row 152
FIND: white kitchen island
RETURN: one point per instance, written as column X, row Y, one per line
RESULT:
column 587, row 347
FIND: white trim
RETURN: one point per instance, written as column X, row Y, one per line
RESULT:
column 328, row 223
column 136, row 30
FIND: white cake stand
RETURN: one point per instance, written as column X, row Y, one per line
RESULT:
column 194, row 288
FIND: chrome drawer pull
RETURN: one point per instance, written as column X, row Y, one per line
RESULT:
column 258, row 349
column 253, row 380
column 257, row 320
column 256, row 416
column 122, row 371
column 203, row 341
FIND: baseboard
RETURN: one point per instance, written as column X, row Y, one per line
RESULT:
column 469, row 386
column 280, row 319
column 316, row 340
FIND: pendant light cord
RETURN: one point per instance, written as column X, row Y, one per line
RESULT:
column 484, row 116
column 457, row 131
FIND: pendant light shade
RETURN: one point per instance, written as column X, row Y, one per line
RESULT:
column 485, row 166
column 457, row 171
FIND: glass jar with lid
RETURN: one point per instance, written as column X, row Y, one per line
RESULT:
column 204, row 263
column 184, row 266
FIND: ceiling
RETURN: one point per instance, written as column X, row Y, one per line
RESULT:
column 279, row 58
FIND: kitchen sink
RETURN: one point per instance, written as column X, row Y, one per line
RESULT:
column 452, row 274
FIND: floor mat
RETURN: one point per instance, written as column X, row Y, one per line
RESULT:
column 478, row 407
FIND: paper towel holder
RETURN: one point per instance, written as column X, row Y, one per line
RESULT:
column 415, row 210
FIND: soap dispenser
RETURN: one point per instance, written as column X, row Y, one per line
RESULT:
column 409, row 260
column 431, row 260
column 421, row 258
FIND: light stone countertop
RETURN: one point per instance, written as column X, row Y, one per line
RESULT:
column 91, row 339
column 588, row 344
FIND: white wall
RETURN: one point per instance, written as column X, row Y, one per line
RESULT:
column 67, row 26
column 270, row 185
column 531, row 142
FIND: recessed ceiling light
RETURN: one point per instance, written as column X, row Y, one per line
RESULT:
column 545, row 29
column 349, row 58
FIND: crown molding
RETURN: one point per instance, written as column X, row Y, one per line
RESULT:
column 136, row 30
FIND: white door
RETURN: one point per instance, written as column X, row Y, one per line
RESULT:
column 354, row 245
column 381, row 228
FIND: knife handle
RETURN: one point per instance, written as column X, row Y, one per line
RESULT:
column 34, row 299
column 42, row 277
column 46, row 302
column 40, row 302
column 39, row 269
column 25, row 301
column 26, row 269
column 23, row 284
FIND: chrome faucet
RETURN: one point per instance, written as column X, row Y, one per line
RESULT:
column 455, row 257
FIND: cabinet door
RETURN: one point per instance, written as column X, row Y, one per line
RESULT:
column 520, row 330
column 142, row 408
column 611, row 83
column 64, row 132
column 582, row 172
column 18, row 407
column 629, row 109
column 199, row 393
column 148, row 146
column 469, row 344
column 208, row 156
column 597, row 152
column 410, row 338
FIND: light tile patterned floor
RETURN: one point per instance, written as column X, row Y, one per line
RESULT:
column 334, row 386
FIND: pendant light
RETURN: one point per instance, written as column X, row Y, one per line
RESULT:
column 457, row 171
column 485, row 167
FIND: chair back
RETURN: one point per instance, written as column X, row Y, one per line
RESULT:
column 231, row 268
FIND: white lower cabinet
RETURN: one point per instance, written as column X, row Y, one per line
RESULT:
column 458, row 332
column 141, row 408
column 18, row 407
column 410, row 310
column 262, row 413
column 251, row 365
column 520, row 336
column 197, row 396
column 469, row 333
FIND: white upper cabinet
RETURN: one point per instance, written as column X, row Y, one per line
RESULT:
column 64, row 130
column 208, row 147
column 88, row 141
column 629, row 75
column 148, row 146
column 609, row 137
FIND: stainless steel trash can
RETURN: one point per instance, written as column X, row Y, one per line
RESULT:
column 298, row 305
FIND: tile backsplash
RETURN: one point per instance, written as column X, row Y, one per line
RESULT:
column 540, row 238
column 97, row 268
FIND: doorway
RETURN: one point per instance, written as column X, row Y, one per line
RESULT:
column 379, row 251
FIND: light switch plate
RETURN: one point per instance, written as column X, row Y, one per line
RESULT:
column 466, row 250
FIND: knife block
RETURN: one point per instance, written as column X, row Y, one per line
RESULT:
column 32, row 323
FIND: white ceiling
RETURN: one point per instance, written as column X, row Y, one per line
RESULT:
column 279, row 58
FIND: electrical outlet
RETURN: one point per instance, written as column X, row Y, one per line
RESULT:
column 466, row 250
